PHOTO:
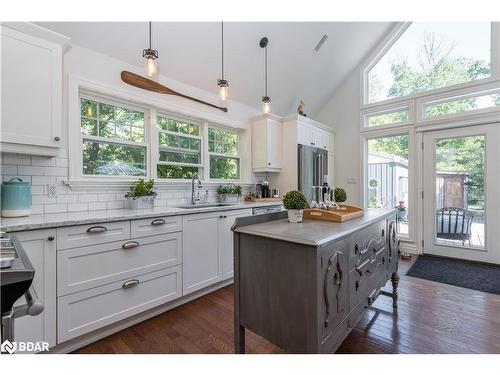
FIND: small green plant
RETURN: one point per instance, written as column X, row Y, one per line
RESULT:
column 230, row 189
column 141, row 188
column 295, row 200
column 339, row 195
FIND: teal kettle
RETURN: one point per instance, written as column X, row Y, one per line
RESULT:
column 16, row 198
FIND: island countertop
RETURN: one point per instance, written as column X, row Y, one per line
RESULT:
column 313, row 232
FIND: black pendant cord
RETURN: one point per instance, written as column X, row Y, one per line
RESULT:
column 266, row 68
column 222, row 37
column 149, row 34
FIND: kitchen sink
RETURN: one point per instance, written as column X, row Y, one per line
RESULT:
column 204, row 205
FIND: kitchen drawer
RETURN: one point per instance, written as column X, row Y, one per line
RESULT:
column 86, row 311
column 155, row 225
column 368, row 277
column 365, row 242
column 92, row 234
column 92, row 266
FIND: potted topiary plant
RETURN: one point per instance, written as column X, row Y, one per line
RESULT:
column 402, row 212
column 141, row 195
column 339, row 195
column 229, row 194
column 295, row 202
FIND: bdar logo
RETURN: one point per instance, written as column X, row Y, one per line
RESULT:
column 8, row 347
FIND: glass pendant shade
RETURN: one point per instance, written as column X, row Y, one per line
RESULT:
column 266, row 104
column 223, row 89
column 151, row 66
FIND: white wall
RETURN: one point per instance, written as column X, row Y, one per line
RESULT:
column 342, row 112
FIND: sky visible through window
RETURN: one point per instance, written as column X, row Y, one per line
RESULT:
column 432, row 55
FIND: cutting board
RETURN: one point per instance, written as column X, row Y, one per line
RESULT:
column 264, row 200
column 337, row 216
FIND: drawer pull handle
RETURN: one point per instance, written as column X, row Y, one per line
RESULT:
column 158, row 222
column 130, row 245
column 130, row 283
column 97, row 229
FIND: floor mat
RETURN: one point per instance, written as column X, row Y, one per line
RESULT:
column 472, row 275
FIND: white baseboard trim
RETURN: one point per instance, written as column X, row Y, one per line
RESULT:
column 408, row 248
column 79, row 342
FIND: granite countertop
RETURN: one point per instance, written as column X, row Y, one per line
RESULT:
column 90, row 217
column 313, row 232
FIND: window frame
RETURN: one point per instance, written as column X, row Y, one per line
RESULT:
column 393, row 36
column 209, row 153
column 98, row 98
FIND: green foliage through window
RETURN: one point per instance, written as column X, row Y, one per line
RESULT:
column 223, row 148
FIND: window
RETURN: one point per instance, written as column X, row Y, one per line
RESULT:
column 391, row 117
column 387, row 176
column 429, row 56
column 179, row 148
column 113, row 139
column 223, row 150
column 459, row 104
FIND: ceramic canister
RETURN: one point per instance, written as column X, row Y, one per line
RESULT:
column 16, row 198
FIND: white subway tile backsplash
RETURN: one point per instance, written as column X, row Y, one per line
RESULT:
column 41, row 161
column 43, row 180
column 73, row 207
column 114, row 205
column 95, row 206
column 9, row 169
column 43, row 199
column 106, row 197
column 67, row 198
column 87, row 198
column 37, row 190
column 33, row 171
column 62, row 162
column 37, row 209
column 16, row 159
column 55, row 171
column 55, row 208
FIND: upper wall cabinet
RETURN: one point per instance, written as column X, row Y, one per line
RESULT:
column 31, row 87
column 311, row 133
column 266, row 143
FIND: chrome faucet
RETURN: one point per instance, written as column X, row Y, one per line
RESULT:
column 195, row 199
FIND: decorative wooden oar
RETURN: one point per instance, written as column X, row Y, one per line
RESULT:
column 148, row 84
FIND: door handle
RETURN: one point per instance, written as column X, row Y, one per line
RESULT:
column 158, row 222
column 97, row 229
column 130, row 283
column 130, row 245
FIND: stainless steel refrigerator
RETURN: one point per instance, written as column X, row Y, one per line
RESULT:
column 313, row 170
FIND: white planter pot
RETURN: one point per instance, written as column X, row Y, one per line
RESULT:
column 141, row 203
column 229, row 198
column 295, row 216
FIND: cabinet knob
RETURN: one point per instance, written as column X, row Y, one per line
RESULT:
column 51, row 238
column 268, row 163
column 57, row 139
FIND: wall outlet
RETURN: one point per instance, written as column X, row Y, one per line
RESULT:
column 51, row 190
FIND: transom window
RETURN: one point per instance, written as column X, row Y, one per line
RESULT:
column 223, row 150
column 113, row 139
column 179, row 148
column 429, row 56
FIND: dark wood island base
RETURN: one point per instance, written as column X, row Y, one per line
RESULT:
column 305, row 286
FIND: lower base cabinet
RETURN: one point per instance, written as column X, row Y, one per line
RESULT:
column 86, row 311
column 208, row 248
column 40, row 246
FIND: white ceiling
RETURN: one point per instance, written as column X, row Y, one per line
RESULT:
column 190, row 52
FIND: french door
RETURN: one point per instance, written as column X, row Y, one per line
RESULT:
column 461, row 181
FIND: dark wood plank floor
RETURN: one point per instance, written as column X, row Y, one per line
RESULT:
column 431, row 318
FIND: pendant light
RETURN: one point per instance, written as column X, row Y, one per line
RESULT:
column 266, row 100
column 222, row 83
column 150, row 56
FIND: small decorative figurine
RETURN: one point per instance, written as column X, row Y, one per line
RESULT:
column 300, row 110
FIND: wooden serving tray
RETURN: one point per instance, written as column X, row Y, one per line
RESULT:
column 337, row 216
column 264, row 200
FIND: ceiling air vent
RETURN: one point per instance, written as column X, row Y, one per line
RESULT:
column 320, row 43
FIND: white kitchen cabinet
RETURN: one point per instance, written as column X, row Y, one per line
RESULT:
column 266, row 143
column 311, row 135
column 31, row 88
column 304, row 134
column 201, row 265
column 40, row 247
column 226, row 240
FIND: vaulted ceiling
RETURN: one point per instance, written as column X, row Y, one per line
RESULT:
column 190, row 52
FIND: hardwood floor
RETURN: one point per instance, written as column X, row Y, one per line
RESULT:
column 431, row 318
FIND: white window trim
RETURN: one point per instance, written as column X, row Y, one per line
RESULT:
column 387, row 109
column 79, row 182
column 392, row 36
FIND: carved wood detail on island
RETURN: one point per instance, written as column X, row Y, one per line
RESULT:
column 305, row 286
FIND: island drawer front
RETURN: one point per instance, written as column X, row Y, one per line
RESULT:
column 92, row 234
column 365, row 242
column 86, row 311
column 369, row 276
column 92, row 266
column 155, row 225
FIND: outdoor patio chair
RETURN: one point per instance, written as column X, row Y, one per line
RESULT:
column 453, row 223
